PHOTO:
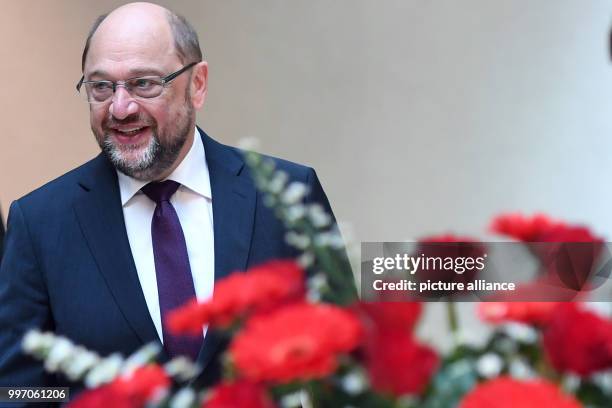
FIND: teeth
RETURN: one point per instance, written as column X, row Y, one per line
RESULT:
column 127, row 131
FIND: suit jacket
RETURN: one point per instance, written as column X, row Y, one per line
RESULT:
column 1, row 236
column 68, row 266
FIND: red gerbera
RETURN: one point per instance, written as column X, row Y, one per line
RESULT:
column 505, row 392
column 239, row 394
column 300, row 341
column 101, row 397
column 578, row 340
column 389, row 315
column 536, row 313
column 397, row 364
column 524, row 228
column 132, row 390
column 259, row 289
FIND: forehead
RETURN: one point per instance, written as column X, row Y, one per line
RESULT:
column 125, row 44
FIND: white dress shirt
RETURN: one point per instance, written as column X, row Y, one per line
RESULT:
column 193, row 204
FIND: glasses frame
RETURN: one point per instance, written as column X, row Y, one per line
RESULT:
column 164, row 80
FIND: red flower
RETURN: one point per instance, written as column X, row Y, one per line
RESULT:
column 101, row 397
column 448, row 247
column 389, row 315
column 238, row 394
column 442, row 238
column 578, row 340
column 397, row 364
column 133, row 390
column 536, row 313
column 524, row 228
column 259, row 289
column 505, row 392
column 567, row 252
column 298, row 342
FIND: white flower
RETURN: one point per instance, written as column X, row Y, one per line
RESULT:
column 489, row 365
column 34, row 340
column 278, row 182
column 316, row 285
column 61, row 350
column 141, row 357
column 318, row 216
column 295, row 212
column 248, row 143
column 294, row 193
column 299, row 241
column 104, row 372
column 182, row 368
column 306, row 259
column 298, row 399
column 354, row 383
column 521, row 332
column 82, row 361
column 184, row 398
column 520, row 369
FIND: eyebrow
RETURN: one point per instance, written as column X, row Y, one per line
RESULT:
column 132, row 73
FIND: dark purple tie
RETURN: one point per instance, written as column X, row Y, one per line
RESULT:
column 174, row 281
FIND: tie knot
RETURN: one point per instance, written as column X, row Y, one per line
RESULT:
column 160, row 191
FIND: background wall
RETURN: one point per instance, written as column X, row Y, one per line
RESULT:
column 420, row 116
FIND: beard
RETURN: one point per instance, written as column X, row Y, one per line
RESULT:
column 149, row 161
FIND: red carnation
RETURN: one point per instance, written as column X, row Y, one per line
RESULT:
column 259, row 289
column 298, row 342
column 535, row 313
column 239, row 394
column 131, row 390
column 389, row 315
column 397, row 364
column 578, row 340
column 505, row 392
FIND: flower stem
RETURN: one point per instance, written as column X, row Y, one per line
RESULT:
column 453, row 321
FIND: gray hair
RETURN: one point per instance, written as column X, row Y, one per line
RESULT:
column 185, row 38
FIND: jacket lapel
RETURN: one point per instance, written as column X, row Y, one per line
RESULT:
column 100, row 215
column 233, row 201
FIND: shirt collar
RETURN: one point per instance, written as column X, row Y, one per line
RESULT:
column 191, row 173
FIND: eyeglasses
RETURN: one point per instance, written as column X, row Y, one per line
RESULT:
column 146, row 87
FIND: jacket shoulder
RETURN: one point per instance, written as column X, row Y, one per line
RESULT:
column 60, row 188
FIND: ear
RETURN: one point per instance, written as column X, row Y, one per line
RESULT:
column 199, row 84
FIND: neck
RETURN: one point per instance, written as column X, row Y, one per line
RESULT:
column 179, row 159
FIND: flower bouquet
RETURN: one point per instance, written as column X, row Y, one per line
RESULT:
column 299, row 336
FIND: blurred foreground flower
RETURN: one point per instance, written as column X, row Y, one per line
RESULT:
column 136, row 389
column 536, row 313
column 259, row 289
column 398, row 364
column 578, row 340
column 297, row 342
column 239, row 394
column 505, row 392
column 524, row 228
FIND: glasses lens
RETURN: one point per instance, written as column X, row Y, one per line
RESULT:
column 145, row 87
column 97, row 92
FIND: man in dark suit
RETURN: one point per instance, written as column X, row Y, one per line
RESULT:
column 1, row 236
column 102, row 253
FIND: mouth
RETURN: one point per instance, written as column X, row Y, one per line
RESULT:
column 130, row 135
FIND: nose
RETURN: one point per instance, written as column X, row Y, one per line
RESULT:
column 122, row 105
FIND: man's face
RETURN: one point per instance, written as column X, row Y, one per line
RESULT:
column 141, row 137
